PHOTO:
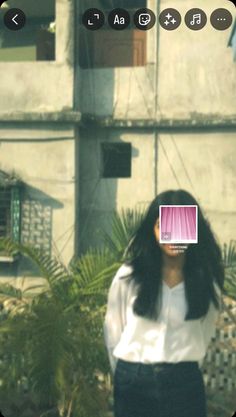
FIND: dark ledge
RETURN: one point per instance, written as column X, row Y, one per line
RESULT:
column 62, row 116
column 195, row 121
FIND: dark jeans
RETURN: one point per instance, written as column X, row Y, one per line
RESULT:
column 158, row 390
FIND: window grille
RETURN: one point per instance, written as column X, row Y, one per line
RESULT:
column 10, row 213
column 10, row 207
column 5, row 212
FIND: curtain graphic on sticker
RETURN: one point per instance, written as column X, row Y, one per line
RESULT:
column 178, row 224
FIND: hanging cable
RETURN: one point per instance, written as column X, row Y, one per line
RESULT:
column 170, row 165
column 183, row 164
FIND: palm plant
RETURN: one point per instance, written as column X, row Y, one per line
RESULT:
column 51, row 341
column 57, row 326
column 124, row 226
column 229, row 257
column 53, row 338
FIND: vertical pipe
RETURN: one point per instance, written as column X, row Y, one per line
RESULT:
column 156, row 101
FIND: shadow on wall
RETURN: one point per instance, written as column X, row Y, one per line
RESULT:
column 35, row 229
column 104, row 159
column 106, row 59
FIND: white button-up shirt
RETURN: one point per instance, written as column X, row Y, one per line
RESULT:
column 168, row 339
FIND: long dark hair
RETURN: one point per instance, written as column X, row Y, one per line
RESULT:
column 203, row 264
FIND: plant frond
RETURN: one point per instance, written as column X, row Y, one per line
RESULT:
column 124, row 226
column 229, row 254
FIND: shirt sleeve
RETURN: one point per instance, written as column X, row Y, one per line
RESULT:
column 115, row 319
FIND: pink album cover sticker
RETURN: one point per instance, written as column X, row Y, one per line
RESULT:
column 178, row 224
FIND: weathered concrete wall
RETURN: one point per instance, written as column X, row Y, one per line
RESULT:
column 122, row 92
column 42, row 86
column 44, row 160
column 190, row 76
column 190, row 73
column 195, row 68
column 209, row 161
column 202, row 163
column 99, row 196
column 42, row 154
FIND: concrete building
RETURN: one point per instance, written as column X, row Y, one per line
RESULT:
column 117, row 117
column 175, row 106
column 38, row 132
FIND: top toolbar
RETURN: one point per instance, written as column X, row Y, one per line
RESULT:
column 145, row 19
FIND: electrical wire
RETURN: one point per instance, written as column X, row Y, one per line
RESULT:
column 180, row 157
column 170, row 165
column 66, row 243
column 67, row 231
column 90, row 209
column 183, row 164
column 142, row 93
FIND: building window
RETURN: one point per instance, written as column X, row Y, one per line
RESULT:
column 116, row 160
column 9, row 207
column 36, row 41
column 5, row 212
column 108, row 48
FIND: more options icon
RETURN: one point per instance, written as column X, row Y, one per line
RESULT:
column 144, row 19
column 221, row 19
column 93, row 19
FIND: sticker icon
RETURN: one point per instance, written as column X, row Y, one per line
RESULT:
column 196, row 19
column 144, row 19
column 221, row 19
column 170, row 19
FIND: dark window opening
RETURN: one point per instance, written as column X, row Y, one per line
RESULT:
column 10, row 211
column 116, row 160
column 5, row 213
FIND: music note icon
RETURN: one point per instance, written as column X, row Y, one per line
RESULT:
column 195, row 19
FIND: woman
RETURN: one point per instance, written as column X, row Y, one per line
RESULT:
column 162, row 307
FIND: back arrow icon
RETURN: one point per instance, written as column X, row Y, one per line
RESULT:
column 13, row 19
